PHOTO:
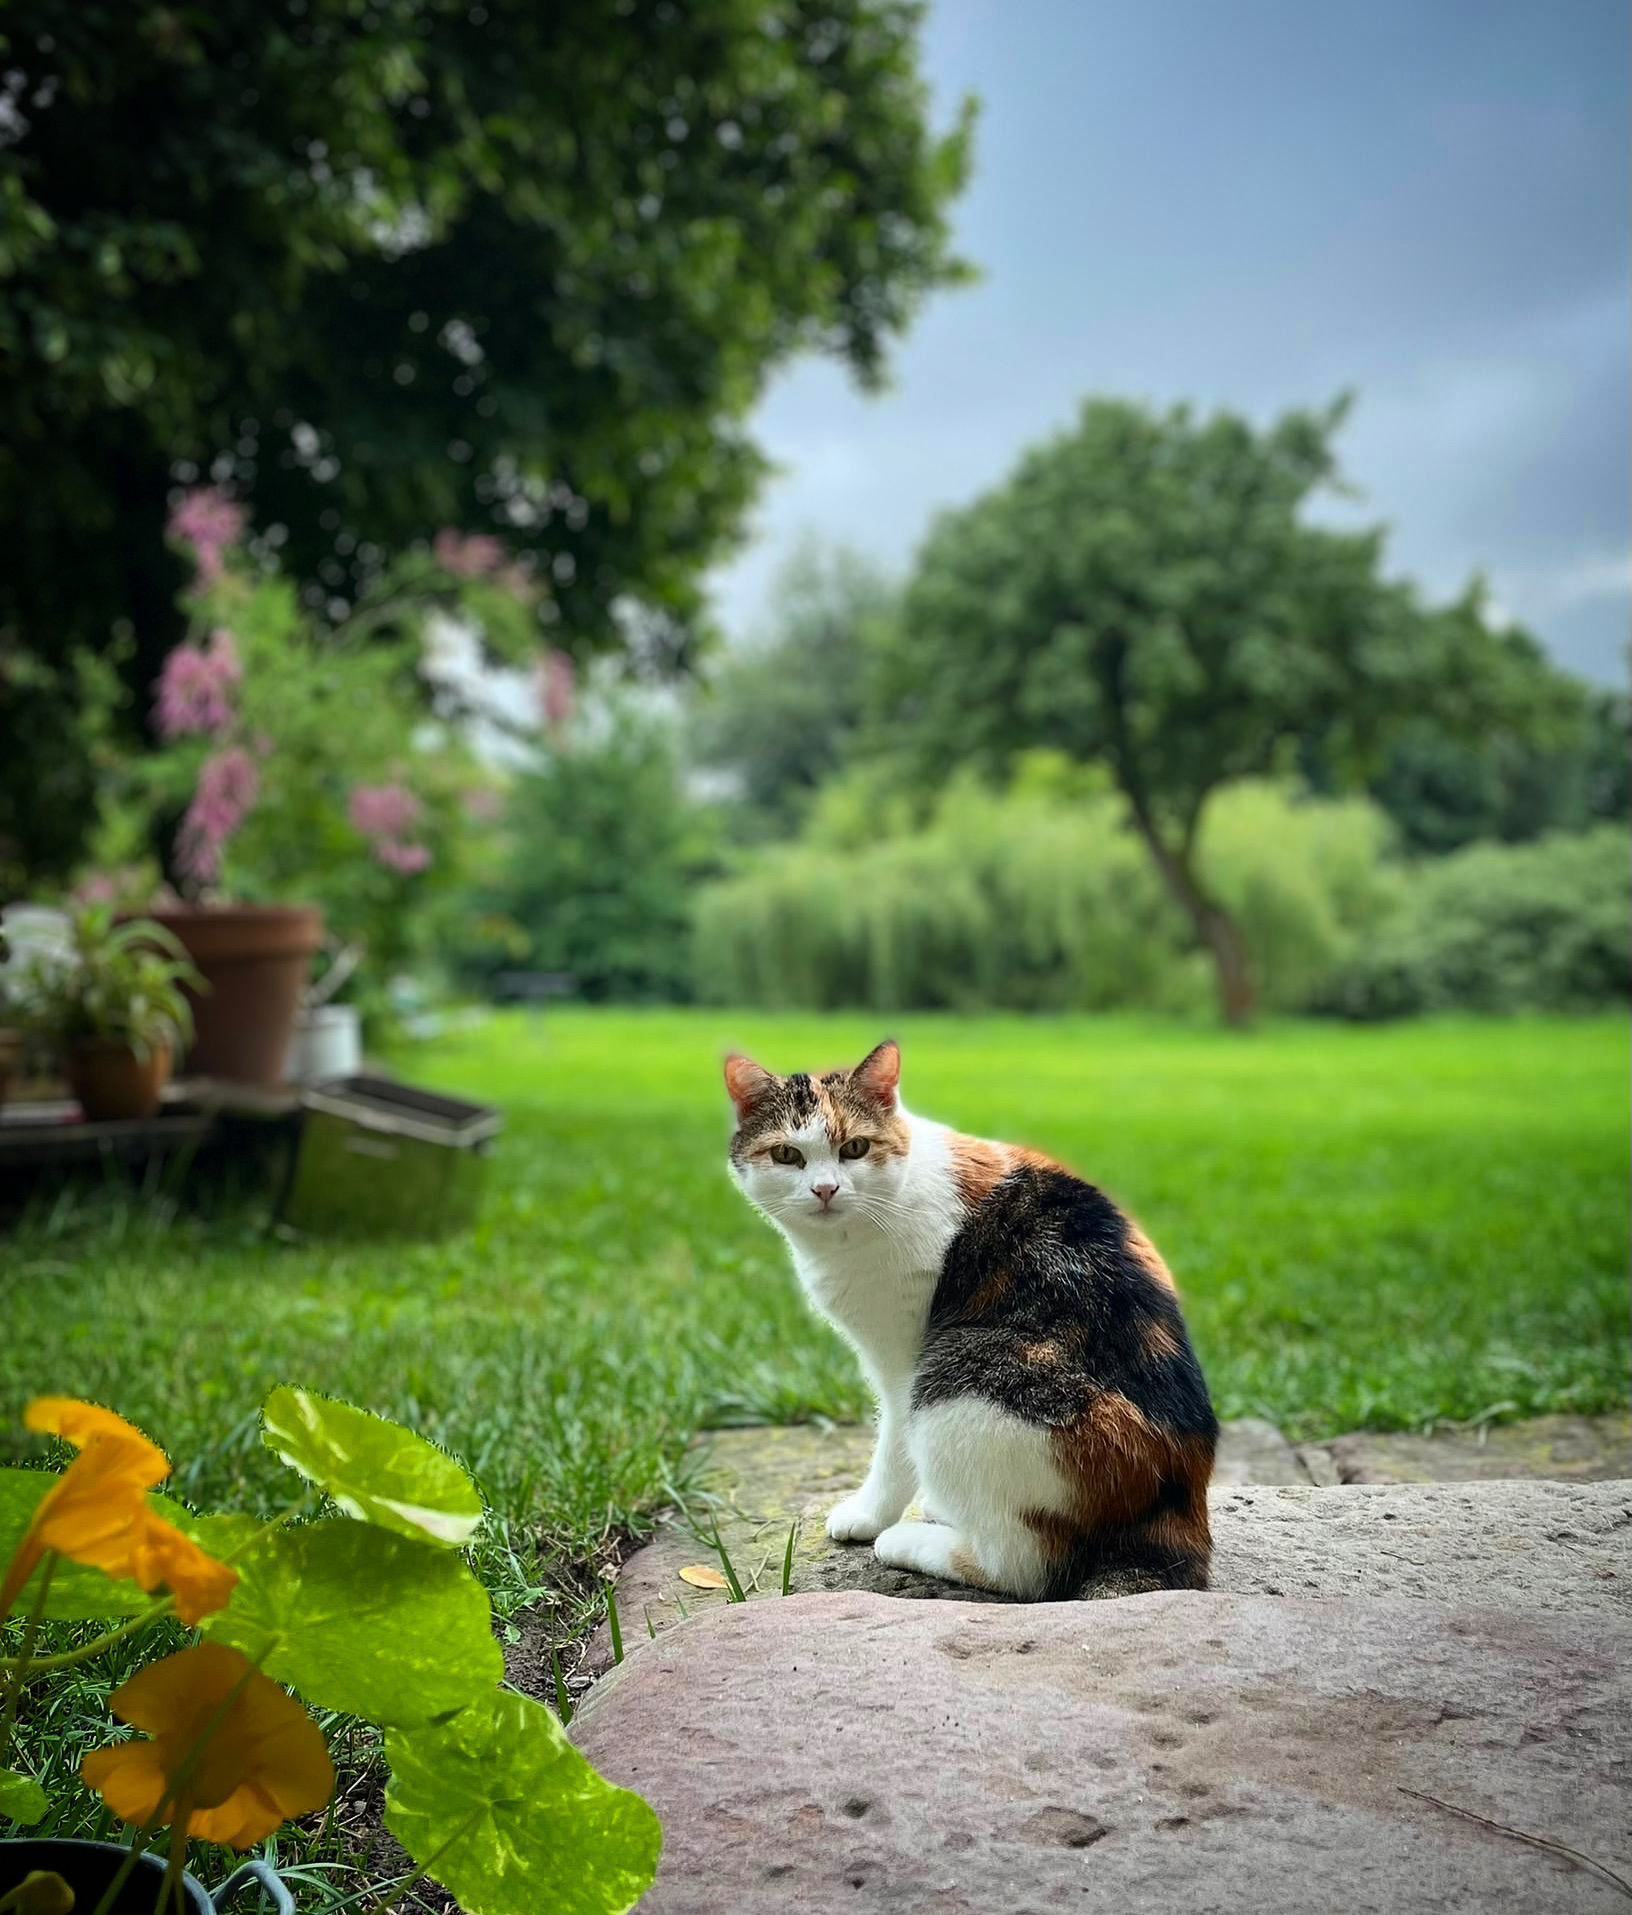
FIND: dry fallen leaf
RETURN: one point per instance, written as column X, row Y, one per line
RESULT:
column 703, row 1576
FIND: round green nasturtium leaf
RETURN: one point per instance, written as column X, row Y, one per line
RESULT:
column 364, row 1621
column 77, row 1594
column 21, row 1798
column 373, row 1469
column 511, row 1819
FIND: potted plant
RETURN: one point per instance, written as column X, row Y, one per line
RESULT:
column 372, row 1613
column 310, row 778
column 117, row 1008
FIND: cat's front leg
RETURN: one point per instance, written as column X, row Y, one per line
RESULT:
column 862, row 1517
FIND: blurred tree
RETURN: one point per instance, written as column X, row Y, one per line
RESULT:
column 385, row 268
column 778, row 716
column 1145, row 590
column 602, row 845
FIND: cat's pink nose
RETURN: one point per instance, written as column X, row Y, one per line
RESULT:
column 826, row 1192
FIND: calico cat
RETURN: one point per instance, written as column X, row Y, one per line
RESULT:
column 1034, row 1378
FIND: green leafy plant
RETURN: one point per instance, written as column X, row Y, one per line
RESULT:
column 372, row 1612
column 120, row 981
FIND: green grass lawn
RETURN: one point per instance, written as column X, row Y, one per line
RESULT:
column 1369, row 1227
column 1379, row 1227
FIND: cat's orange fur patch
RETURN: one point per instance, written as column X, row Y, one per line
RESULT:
column 845, row 1119
column 988, row 1294
column 1148, row 1257
column 979, row 1166
column 1117, row 1463
column 967, row 1569
column 1040, row 1353
column 1159, row 1341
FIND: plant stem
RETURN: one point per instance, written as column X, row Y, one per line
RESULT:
column 23, row 1665
column 163, row 1607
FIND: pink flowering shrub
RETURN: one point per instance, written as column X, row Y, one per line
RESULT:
column 227, row 788
column 408, row 859
column 468, row 554
column 554, row 690
column 195, row 688
column 211, row 523
column 384, row 811
column 316, row 761
column 384, row 814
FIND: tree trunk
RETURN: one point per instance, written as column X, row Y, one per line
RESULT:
column 1237, row 992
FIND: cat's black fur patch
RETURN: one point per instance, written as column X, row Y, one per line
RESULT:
column 1075, row 1283
column 1045, row 1306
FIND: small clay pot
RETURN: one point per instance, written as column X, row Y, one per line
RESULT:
column 255, row 960
column 112, row 1083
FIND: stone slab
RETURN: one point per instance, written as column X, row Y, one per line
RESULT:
column 1571, row 1449
column 1203, row 1752
column 1278, row 1538
column 1564, row 1547
column 758, row 1483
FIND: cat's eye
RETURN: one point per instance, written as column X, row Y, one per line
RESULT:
column 786, row 1154
column 855, row 1146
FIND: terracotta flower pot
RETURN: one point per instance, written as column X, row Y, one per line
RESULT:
column 256, row 960
column 112, row 1083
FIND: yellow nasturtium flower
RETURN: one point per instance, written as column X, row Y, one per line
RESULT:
column 264, row 1762
column 96, row 1513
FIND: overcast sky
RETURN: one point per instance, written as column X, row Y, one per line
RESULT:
column 1256, row 203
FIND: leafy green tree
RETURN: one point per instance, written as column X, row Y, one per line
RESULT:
column 602, row 846
column 515, row 269
column 1146, row 590
column 779, row 716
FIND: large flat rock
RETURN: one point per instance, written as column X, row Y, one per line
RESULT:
column 1570, row 1449
column 1546, row 1546
column 1537, row 1544
column 757, row 1484
column 1203, row 1752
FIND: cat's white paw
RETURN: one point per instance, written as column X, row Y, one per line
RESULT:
column 926, row 1547
column 856, row 1520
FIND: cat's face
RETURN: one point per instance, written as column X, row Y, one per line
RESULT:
column 816, row 1153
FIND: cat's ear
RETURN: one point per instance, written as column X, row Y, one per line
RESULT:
column 746, row 1081
column 878, row 1075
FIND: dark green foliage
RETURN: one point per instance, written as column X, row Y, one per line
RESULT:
column 779, row 717
column 1445, row 791
column 1540, row 926
column 518, row 268
column 602, row 849
column 1146, row 590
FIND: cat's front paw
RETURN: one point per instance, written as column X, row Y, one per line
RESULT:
column 857, row 1519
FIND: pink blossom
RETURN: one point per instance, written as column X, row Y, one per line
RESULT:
column 227, row 788
column 468, row 555
column 483, row 805
column 194, row 688
column 554, row 689
column 384, row 811
column 406, row 858
column 211, row 523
